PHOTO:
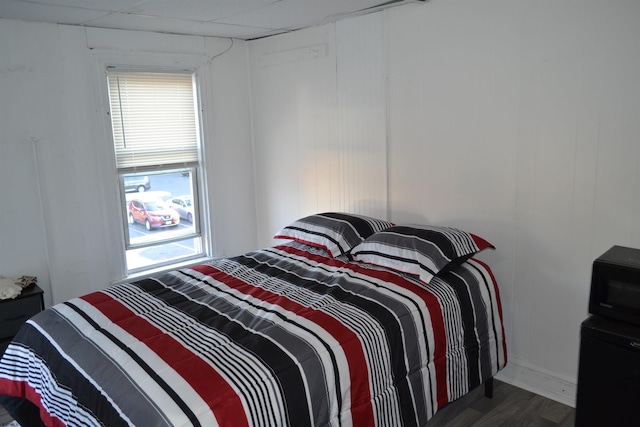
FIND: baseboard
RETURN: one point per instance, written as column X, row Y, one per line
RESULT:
column 540, row 381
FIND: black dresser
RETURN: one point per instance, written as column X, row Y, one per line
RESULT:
column 14, row 312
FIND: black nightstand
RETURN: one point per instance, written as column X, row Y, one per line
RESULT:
column 14, row 312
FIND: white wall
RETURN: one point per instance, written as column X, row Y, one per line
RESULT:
column 22, row 244
column 51, row 88
column 517, row 120
column 319, row 146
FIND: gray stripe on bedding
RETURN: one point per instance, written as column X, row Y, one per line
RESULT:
column 72, row 337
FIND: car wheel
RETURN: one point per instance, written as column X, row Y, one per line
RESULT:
column 189, row 217
column 131, row 219
column 141, row 189
column 147, row 224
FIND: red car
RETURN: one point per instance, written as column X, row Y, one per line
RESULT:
column 152, row 213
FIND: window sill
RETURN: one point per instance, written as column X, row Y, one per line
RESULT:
column 163, row 269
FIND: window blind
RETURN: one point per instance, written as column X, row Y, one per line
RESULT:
column 153, row 118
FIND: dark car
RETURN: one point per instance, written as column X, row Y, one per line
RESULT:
column 152, row 213
column 136, row 183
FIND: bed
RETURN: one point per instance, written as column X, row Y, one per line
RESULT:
column 343, row 323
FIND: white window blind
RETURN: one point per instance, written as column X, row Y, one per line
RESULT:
column 153, row 117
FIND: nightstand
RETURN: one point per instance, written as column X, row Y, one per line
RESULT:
column 14, row 312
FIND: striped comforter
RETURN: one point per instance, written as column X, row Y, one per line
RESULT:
column 281, row 336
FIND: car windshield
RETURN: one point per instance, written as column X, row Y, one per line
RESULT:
column 154, row 206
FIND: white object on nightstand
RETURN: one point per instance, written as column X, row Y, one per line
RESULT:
column 8, row 288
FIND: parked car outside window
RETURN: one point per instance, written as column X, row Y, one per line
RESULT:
column 136, row 183
column 184, row 207
column 153, row 214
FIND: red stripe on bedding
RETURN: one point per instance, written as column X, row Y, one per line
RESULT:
column 333, row 262
column 306, row 242
column 361, row 407
column 206, row 381
column 23, row 389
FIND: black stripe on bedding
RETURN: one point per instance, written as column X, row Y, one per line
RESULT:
column 398, row 258
column 449, row 241
column 360, row 282
column 327, row 347
column 84, row 392
column 364, row 227
column 476, row 367
column 456, row 361
column 337, row 232
column 213, row 303
column 481, row 330
column 490, row 320
column 140, row 362
column 342, row 248
column 469, row 324
column 170, row 320
column 290, row 380
column 385, row 319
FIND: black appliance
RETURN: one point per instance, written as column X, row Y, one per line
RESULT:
column 615, row 285
column 609, row 374
column 609, row 369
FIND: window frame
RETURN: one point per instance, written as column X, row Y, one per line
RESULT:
column 106, row 166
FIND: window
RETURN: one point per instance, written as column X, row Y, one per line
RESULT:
column 155, row 124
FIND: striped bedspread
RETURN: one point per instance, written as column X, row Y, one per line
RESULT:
column 278, row 337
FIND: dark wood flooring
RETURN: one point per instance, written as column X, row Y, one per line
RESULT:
column 5, row 419
column 509, row 407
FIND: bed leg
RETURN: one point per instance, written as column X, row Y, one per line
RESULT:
column 488, row 388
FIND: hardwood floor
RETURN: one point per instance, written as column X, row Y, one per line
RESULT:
column 5, row 419
column 509, row 407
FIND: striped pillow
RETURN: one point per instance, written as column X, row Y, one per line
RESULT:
column 423, row 251
column 336, row 232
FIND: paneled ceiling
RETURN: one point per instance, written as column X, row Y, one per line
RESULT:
column 243, row 19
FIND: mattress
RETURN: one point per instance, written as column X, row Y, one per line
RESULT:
column 282, row 336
